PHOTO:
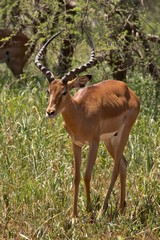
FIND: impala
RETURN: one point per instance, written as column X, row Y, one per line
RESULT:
column 14, row 51
column 105, row 111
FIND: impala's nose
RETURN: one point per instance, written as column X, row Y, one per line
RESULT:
column 50, row 113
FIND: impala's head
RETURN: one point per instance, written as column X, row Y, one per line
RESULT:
column 14, row 50
column 58, row 88
column 58, row 93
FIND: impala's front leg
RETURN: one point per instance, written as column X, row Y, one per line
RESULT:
column 93, row 148
column 77, row 165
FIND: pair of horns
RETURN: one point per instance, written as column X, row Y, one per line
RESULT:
column 70, row 75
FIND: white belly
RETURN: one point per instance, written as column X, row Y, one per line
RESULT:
column 105, row 136
column 78, row 143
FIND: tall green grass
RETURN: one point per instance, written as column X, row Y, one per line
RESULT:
column 36, row 171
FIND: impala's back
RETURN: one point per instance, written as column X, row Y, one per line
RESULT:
column 106, row 105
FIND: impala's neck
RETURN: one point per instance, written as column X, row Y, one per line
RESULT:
column 70, row 112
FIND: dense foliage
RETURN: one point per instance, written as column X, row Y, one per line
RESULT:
column 126, row 32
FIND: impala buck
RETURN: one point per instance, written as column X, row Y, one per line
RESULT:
column 14, row 51
column 105, row 111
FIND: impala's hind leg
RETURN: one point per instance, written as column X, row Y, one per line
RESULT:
column 115, row 146
column 122, row 170
column 123, row 174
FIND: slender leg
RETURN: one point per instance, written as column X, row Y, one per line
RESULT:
column 114, row 176
column 77, row 165
column 123, row 173
column 93, row 148
column 116, row 147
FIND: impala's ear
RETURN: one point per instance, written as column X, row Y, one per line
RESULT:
column 79, row 81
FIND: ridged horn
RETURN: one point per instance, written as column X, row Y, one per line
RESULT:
column 70, row 75
column 48, row 74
